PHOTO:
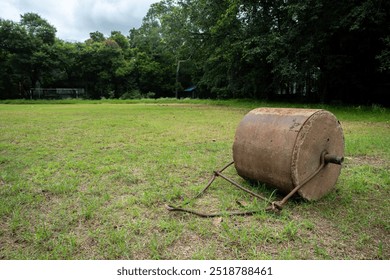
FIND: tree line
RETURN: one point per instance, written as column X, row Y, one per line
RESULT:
column 305, row 50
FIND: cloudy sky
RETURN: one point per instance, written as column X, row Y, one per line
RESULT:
column 75, row 19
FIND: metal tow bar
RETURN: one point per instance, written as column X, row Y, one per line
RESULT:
column 274, row 206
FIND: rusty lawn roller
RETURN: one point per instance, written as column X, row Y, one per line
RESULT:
column 294, row 150
column 285, row 147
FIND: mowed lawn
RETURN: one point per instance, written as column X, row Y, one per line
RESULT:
column 90, row 181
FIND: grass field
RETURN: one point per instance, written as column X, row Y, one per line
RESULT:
column 90, row 181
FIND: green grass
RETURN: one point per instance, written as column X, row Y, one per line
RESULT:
column 89, row 180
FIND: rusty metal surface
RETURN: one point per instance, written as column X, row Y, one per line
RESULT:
column 321, row 132
column 218, row 173
column 283, row 147
column 334, row 159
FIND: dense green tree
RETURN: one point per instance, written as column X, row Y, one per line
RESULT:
column 39, row 29
column 37, row 63
column 96, row 37
column 312, row 50
column 98, row 62
column 120, row 39
column 157, row 50
column 384, row 56
column 27, row 48
column 13, row 44
column 307, row 50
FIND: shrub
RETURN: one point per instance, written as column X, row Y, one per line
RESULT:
column 134, row 94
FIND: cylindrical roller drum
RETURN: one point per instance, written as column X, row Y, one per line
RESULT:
column 282, row 147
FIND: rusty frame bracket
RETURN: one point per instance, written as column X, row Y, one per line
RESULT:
column 217, row 173
column 275, row 206
column 324, row 160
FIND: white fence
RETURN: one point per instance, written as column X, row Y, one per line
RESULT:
column 56, row 93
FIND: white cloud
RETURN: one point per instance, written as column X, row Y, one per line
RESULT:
column 75, row 19
column 8, row 10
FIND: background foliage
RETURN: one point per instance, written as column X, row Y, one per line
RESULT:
column 310, row 50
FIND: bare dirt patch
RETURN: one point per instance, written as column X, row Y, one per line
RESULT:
column 374, row 161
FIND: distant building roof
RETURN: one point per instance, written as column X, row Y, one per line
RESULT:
column 190, row 89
